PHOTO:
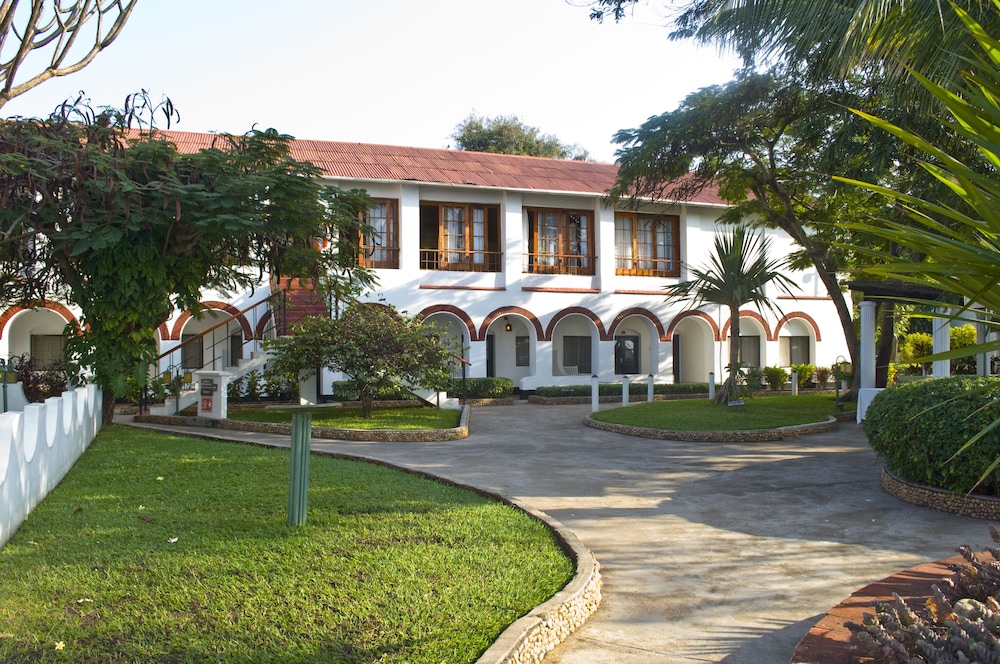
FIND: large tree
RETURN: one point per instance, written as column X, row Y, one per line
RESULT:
column 373, row 344
column 833, row 36
column 768, row 141
column 509, row 135
column 738, row 273
column 120, row 223
column 67, row 35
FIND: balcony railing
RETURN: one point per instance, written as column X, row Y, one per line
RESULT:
column 537, row 263
column 461, row 261
column 378, row 257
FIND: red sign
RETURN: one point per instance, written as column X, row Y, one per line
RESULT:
column 206, row 403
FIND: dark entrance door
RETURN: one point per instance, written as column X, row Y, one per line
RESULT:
column 627, row 354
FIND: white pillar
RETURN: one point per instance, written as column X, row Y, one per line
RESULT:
column 942, row 343
column 867, row 367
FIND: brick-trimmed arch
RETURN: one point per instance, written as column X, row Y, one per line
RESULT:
column 692, row 314
column 56, row 307
column 755, row 316
column 642, row 313
column 512, row 311
column 454, row 311
column 570, row 311
column 218, row 306
column 262, row 324
column 802, row 316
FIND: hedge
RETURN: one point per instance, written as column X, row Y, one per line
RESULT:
column 638, row 386
column 917, row 428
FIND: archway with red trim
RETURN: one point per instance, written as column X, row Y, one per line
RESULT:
column 16, row 309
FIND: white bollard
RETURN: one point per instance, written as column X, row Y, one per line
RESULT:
column 624, row 390
column 594, row 399
column 649, row 389
column 711, row 385
column 795, row 383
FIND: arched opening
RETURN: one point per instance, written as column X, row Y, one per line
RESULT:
column 575, row 346
column 692, row 345
column 511, row 348
column 455, row 332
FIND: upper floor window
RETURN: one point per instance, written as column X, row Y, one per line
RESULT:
column 460, row 237
column 562, row 241
column 646, row 245
column 380, row 243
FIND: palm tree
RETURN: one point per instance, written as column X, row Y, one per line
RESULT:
column 738, row 273
column 961, row 246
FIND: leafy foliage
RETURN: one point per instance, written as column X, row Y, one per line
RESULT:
column 804, row 372
column 373, row 344
column 480, row 388
column 509, row 135
column 775, row 377
column 919, row 428
column 615, row 389
column 122, row 224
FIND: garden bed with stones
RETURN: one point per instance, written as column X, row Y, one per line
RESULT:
column 371, row 435
column 742, row 436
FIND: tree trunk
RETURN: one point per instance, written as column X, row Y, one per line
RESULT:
column 107, row 407
column 886, row 343
column 729, row 388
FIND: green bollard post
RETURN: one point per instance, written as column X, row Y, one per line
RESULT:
column 298, row 488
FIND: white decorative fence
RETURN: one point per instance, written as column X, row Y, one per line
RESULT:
column 38, row 446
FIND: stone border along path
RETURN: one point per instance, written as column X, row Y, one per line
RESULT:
column 721, row 552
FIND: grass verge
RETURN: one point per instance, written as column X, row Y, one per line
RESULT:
column 400, row 419
column 160, row 548
column 703, row 415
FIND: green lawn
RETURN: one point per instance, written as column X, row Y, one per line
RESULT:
column 703, row 415
column 159, row 548
column 350, row 418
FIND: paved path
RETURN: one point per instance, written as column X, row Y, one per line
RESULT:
column 709, row 552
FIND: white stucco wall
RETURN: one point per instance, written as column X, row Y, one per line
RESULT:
column 38, row 446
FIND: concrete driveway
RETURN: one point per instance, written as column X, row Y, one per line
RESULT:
column 709, row 552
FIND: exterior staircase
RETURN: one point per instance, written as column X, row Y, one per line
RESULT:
column 189, row 397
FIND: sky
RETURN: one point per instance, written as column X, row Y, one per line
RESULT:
column 394, row 72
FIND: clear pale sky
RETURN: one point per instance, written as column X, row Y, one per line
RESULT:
column 397, row 72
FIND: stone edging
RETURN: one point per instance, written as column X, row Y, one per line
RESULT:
column 528, row 639
column 978, row 507
column 374, row 435
column 745, row 436
column 829, row 640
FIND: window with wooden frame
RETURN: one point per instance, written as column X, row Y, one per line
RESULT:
column 464, row 237
column 647, row 245
column 562, row 241
column 380, row 240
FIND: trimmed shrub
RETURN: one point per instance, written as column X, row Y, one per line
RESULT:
column 480, row 388
column 805, row 373
column 775, row 377
column 822, row 376
column 916, row 428
column 637, row 387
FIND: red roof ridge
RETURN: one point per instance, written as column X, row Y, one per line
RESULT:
column 378, row 162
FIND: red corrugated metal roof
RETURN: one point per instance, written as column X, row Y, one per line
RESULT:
column 364, row 161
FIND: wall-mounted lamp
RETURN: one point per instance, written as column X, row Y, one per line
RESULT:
column 507, row 326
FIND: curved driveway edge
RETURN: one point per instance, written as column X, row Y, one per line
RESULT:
column 531, row 637
column 747, row 436
column 709, row 553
